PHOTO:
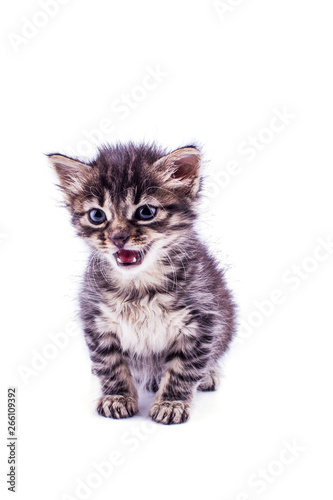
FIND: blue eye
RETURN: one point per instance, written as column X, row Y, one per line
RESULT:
column 146, row 212
column 96, row 216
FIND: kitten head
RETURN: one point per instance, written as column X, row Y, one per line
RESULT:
column 132, row 203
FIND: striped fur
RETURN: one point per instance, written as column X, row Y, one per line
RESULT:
column 165, row 322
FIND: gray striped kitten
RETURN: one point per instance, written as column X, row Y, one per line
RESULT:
column 154, row 303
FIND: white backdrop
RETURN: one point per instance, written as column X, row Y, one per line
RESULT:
column 251, row 82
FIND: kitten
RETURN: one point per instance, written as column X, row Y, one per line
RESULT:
column 154, row 303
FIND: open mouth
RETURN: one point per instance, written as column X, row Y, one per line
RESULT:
column 128, row 257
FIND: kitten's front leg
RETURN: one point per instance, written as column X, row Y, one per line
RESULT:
column 120, row 398
column 187, row 363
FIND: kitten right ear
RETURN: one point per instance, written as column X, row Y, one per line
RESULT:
column 72, row 174
column 181, row 170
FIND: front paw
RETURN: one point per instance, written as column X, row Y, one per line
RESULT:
column 170, row 412
column 117, row 406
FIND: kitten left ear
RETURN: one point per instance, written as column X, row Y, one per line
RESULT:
column 181, row 169
column 71, row 173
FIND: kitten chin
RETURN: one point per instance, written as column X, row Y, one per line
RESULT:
column 154, row 302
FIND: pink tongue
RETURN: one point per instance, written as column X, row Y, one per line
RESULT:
column 127, row 256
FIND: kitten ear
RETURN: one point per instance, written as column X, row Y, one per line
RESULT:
column 72, row 173
column 181, row 169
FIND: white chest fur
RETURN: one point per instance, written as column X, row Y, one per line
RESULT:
column 146, row 326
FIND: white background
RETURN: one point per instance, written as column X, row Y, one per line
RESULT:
column 224, row 77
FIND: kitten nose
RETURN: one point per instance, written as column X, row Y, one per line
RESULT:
column 119, row 239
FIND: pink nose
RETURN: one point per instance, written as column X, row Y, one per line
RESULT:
column 119, row 239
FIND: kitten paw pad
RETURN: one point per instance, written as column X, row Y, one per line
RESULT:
column 117, row 406
column 170, row 412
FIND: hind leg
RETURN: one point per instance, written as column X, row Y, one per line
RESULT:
column 210, row 380
column 152, row 385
